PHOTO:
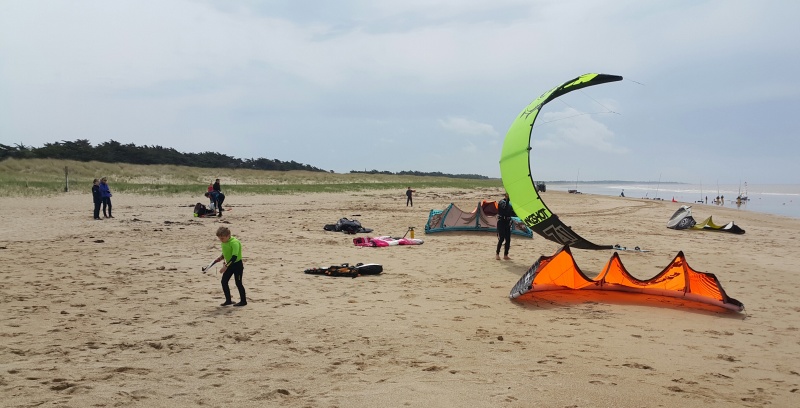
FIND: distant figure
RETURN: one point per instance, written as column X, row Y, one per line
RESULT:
column 409, row 199
column 97, row 197
column 622, row 194
column 504, row 214
column 716, row 200
column 706, row 199
column 105, row 193
column 232, row 254
column 217, row 197
column 722, row 200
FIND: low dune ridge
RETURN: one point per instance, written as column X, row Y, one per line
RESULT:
column 118, row 313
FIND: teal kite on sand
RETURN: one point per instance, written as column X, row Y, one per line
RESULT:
column 517, row 176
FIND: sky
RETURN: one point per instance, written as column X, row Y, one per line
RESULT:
column 711, row 91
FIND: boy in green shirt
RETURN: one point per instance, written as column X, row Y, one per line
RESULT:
column 232, row 254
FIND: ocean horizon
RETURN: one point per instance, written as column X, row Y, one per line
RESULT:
column 776, row 199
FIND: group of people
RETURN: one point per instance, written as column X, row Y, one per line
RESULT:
column 216, row 198
column 215, row 195
column 101, row 194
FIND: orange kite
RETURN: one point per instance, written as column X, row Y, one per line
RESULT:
column 678, row 279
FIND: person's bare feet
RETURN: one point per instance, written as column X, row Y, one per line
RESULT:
column 497, row 257
column 507, row 258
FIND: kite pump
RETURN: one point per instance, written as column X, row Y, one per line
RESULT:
column 410, row 230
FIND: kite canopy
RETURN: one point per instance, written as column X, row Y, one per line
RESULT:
column 516, row 172
column 678, row 279
column 682, row 219
column 482, row 218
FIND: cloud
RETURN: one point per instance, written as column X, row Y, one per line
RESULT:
column 571, row 128
column 469, row 127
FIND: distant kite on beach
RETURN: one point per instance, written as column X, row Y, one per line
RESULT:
column 516, row 172
column 682, row 219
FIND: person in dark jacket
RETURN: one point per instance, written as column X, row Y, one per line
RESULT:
column 504, row 214
column 105, row 192
column 97, row 197
column 217, row 197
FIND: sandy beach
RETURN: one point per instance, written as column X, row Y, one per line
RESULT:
column 118, row 313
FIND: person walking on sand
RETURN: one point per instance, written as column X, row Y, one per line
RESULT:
column 232, row 254
column 105, row 193
column 409, row 199
column 504, row 214
column 97, row 197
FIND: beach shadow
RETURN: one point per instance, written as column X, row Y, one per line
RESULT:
column 571, row 298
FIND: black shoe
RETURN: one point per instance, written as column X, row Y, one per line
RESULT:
column 240, row 304
column 227, row 303
column 219, row 215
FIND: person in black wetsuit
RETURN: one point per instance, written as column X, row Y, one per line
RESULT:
column 232, row 255
column 504, row 214
column 409, row 199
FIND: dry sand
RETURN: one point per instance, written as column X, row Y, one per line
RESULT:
column 117, row 313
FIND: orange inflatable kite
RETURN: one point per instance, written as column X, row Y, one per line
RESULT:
column 678, row 279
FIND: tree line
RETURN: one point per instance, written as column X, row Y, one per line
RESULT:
column 116, row 152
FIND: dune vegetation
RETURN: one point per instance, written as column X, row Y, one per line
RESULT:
column 41, row 177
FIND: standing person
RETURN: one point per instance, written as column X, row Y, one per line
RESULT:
column 217, row 197
column 105, row 192
column 504, row 214
column 409, row 200
column 232, row 254
column 97, row 197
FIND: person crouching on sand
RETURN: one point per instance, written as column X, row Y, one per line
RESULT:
column 232, row 254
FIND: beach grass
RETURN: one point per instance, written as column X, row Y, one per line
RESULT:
column 42, row 177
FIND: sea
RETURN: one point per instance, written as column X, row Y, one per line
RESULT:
column 777, row 199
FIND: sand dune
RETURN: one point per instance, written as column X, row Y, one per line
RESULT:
column 117, row 312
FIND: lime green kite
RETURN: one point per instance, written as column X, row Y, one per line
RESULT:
column 516, row 172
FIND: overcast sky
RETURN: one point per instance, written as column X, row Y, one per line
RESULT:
column 711, row 90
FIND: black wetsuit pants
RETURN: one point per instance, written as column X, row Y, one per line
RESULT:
column 97, row 209
column 409, row 201
column 503, row 234
column 236, row 270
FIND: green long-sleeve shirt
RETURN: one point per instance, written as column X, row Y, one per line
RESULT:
column 232, row 251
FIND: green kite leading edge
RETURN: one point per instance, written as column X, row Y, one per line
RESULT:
column 516, row 172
